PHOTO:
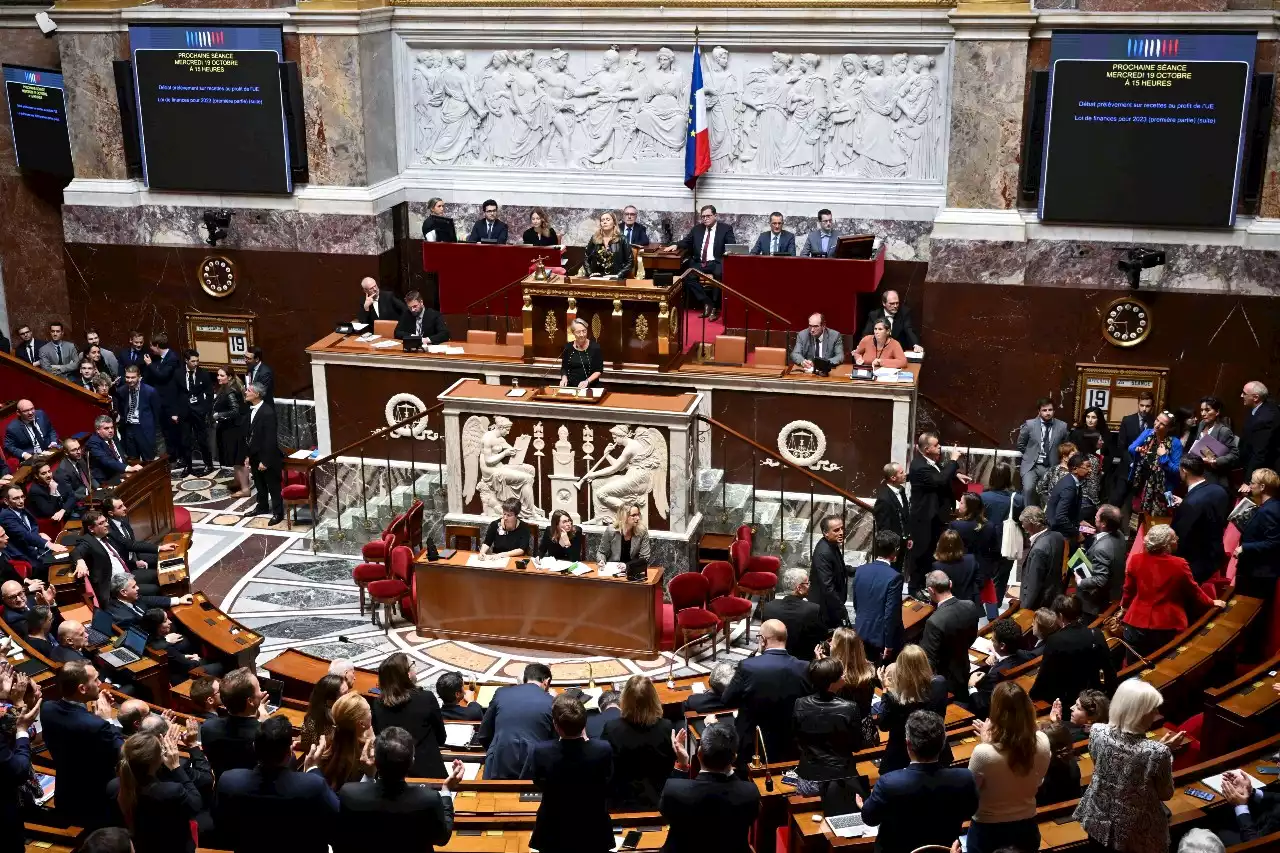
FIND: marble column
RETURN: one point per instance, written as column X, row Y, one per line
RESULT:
column 93, row 114
column 332, row 92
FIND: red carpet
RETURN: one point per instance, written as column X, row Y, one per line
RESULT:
column 698, row 330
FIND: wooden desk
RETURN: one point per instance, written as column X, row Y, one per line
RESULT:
column 536, row 609
column 300, row 672
column 1241, row 710
column 221, row 636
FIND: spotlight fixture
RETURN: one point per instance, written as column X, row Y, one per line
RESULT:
column 216, row 223
column 1136, row 260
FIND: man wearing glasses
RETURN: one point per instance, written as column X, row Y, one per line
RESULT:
column 703, row 249
column 632, row 231
column 490, row 229
column 822, row 242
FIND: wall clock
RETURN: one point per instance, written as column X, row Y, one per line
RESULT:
column 217, row 276
column 1126, row 322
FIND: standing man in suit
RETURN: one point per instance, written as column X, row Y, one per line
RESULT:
column 817, row 342
column 73, row 474
column 1200, row 519
column 133, row 353
column 949, row 632
column 378, row 304
column 83, row 744
column 97, row 558
column 827, row 575
column 1131, row 426
column 892, row 510
column 1063, row 511
column 1075, row 658
column 229, row 741
column 1041, row 576
column 108, row 459
column 419, row 321
column 1258, row 554
column 898, row 316
column 821, row 242
column 764, row 690
column 389, row 807
column 632, row 231
column 141, row 555
column 28, row 346
column 264, row 457
column 29, row 433
column 195, row 403
column 518, row 717
column 161, row 369
column 59, row 357
column 1107, row 555
column 717, row 810
column 802, row 618
column 489, row 229
column 931, row 503
column 141, row 411
column 573, row 775
column 877, row 599
column 1260, row 438
column 703, row 250
column 1038, row 442
column 257, row 372
column 775, row 241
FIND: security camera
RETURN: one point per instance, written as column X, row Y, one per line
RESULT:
column 1136, row 260
column 216, row 223
column 45, row 23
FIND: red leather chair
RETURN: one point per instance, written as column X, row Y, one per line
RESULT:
column 745, row 532
column 377, row 556
column 389, row 591
column 689, row 603
column 413, row 525
column 757, row 575
column 721, row 600
column 295, row 493
column 181, row 520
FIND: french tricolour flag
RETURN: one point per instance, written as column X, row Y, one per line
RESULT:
column 697, row 149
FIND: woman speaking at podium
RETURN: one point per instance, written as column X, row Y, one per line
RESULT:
column 608, row 254
column 581, row 362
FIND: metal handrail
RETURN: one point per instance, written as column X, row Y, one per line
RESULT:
column 744, row 298
column 497, row 292
column 380, row 433
column 947, row 410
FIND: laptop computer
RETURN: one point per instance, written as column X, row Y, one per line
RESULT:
column 135, row 641
column 101, row 629
column 843, row 816
column 736, row 249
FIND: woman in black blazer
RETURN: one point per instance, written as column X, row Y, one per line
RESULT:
column 562, row 539
column 966, row 575
column 607, row 253
column 402, row 703
column 910, row 685
column 43, row 498
column 643, row 757
column 157, row 797
column 540, row 232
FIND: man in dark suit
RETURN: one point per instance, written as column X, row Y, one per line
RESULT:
column 1041, row 577
column 133, row 353
column 632, row 231
column 28, row 346
column 73, row 642
column 931, row 503
column 1258, row 554
column 898, row 316
column 195, row 403
column 1075, row 658
column 573, row 775
column 802, row 617
column 1257, row 810
column 949, row 632
column 715, row 811
column 1006, row 642
column 127, row 604
column 259, row 372
column 389, row 808
column 610, row 708
column 923, row 803
column 15, row 758
column 489, row 229
column 1201, row 519
column 263, row 454
column 711, row 701
column 273, row 806
column 229, row 741
column 140, row 555
column 1260, row 438
column 29, row 433
column 20, row 597
column 518, row 717
column 26, row 542
column 1063, row 508
column 775, row 241
column 141, row 413
column 703, row 250
column 83, row 744
column 892, row 510
column 378, row 304
column 764, row 690
column 1107, row 555
column 877, row 599
column 73, row 474
column 419, row 321
column 827, row 575
column 108, row 459
column 160, row 371
column 450, row 689
column 1131, row 426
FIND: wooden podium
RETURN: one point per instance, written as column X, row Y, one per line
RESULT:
column 632, row 321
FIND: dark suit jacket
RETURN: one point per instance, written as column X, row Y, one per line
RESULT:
column 892, row 514
column 1259, row 562
column 1262, row 816
column 15, row 769
column 165, row 809
column 764, row 689
column 948, row 633
column 1075, row 658
column 827, row 586
column 1107, row 555
column 127, row 356
column 639, row 234
column 25, row 351
column 803, row 619
column 786, row 243
column 518, row 717
column 126, row 615
column 25, row 542
column 471, row 711
column 642, row 761
column 1260, row 439
column 478, row 231
column 1041, row 574
column 162, row 375
column 102, row 462
column 433, row 328
column 705, row 703
column 980, row 697
column 946, row 796
column 420, row 717
column 598, row 720
column 877, row 604
column 62, row 654
column 446, row 231
column 263, row 444
column 931, row 503
column 370, row 810
column 966, row 578
column 201, row 389
column 125, row 542
column 267, row 811
column 228, row 743
column 712, row 812
column 43, row 504
column 150, row 411
column 1200, row 520
column 70, row 476
column 1130, row 429
column 86, row 750
column 1063, row 510
column 264, row 376
column 904, row 331
column 573, row 776
column 390, row 307
column 17, row 440
column 691, row 245
column 94, row 553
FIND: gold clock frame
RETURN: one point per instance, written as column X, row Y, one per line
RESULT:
column 235, row 282
column 1123, row 300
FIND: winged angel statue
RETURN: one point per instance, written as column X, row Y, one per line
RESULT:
column 637, row 471
column 495, row 468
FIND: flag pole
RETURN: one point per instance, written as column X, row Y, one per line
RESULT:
column 695, row 186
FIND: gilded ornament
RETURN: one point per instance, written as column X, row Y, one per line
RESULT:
column 595, row 325
column 550, row 325
column 642, row 328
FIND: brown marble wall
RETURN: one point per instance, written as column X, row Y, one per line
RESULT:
column 331, row 92
column 1269, row 202
column 93, row 114
column 358, row 398
column 987, row 94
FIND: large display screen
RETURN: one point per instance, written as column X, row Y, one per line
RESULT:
column 38, row 119
column 1146, row 129
column 209, row 108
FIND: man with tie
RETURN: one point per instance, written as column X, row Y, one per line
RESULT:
column 818, row 342
column 932, row 501
column 1260, row 438
column 892, row 509
column 264, row 457
column 29, row 433
column 85, row 374
column 107, row 458
column 822, row 242
column 26, row 542
column 489, row 229
column 99, row 559
column 898, row 318
column 140, row 555
column 1038, row 442
column 73, row 474
column 258, row 373
column 378, row 304
column 161, row 370
column 632, row 231
column 1200, row 519
column 1131, row 426
column 194, row 405
column 59, row 357
column 126, row 604
column 28, row 346
column 421, row 322
column 775, row 241
column 703, row 249
column 134, row 352
column 1063, row 510
column 139, row 406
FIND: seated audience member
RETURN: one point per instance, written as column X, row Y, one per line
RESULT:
column 181, row 654
column 140, row 413
column 716, row 810
column 1200, row 840
column 712, row 700
column 626, row 539
column 927, row 787
column 818, row 342
column 402, row 704
column 488, row 229
column 562, row 539
column 141, row 555
column 109, row 839
column 1107, row 556
column 73, row 642
column 1008, row 766
column 828, row 730
column 108, row 460
column 377, row 304
column 348, row 757
column 72, row 474
column 703, row 250
column 898, row 316
column 1062, row 779
column 642, row 754
column 950, row 558
column 26, row 542
column 59, row 356
column 46, row 496
column 802, row 618
column 821, row 241
column 1076, row 658
column 909, row 686
column 573, row 774
column 450, row 689
column 272, row 807
column 1044, row 624
column 775, row 241
column 764, row 690
column 19, row 598
column 879, row 349
column 317, row 722
column 607, row 255
column 1006, row 639
column 507, row 536
column 539, row 232
column 436, row 227
column 949, row 632
column 1258, row 554
column 1041, row 571
column 229, row 740
column 1159, row 589
column 1089, row 708
column 83, row 745
column 632, row 231
column 27, row 346
column 29, row 433
column 419, row 321
column 609, row 705
column 1257, row 811
column 518, row 717
column 877, row 598
column 156, row 797
column 127, row 605
column 205, row 696
column 7, row 570
column 40, row 634
column 389, row 807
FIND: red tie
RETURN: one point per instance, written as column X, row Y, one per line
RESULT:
column 706, row 246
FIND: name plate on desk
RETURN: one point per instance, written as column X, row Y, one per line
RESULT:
column 571, row 395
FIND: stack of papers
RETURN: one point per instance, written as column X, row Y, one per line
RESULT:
column 302, row 454
column 445, row 349
column 456, row 734
column 609, row 570
column 387, row 344
column 476, row 561
column 369, row 337
column 470, row 772
column 551, row 564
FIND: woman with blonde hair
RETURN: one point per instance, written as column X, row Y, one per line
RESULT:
column 858, row 682
column 909, row 685
column 349, row 758
column 627, row 539
column 1159, row 590
column 540, row 232
column 1008, row 767
column 608, row 254
column 1051, row 477
column 157, row 797
column 643, row 756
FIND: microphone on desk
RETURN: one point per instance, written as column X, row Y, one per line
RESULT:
column 671, row 682
column 760, row 748
column 667, row 237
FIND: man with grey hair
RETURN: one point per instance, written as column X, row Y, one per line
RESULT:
column 1260, row 438
column 107, row 459
column 710, row 701
column 949, row 632
column 1200, row 840
column 1041, row 577
column 802, row 617
column 127, row 606
column 828, row 575
column 892, row 509
column 344, row 669
column 377, row 304
column 264, row 460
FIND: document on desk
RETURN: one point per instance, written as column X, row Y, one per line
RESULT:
column 387, row 344
column 301, row 454
column 612, row 570
column 470, row 772
column 479, row 562
column 1215, row 782
column 983, row 645
column 456, row 734
column 368, row 337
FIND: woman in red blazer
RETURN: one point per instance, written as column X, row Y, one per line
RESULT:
column 1158, row 589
